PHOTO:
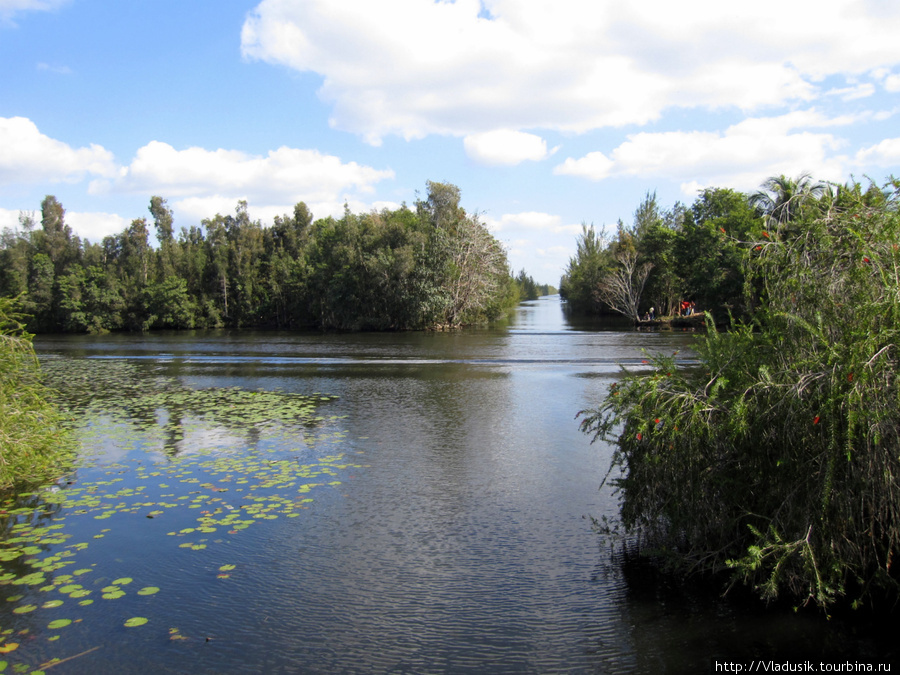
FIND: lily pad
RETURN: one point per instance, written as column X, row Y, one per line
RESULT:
column 59, row 623
column 135, row 621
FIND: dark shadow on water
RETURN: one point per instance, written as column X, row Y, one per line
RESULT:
column 687, row 625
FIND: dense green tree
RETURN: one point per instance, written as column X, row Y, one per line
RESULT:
column 776, row 459
column 389, row 270
column 592, row 261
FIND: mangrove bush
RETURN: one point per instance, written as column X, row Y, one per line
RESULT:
column 777, row 458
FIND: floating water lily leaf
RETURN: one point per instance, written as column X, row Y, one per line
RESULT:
column 227, row 568
column 148, row 590
column 124, row 581
column 9, row 647
column 50, row 604
column 135, row 621
column 59, row 623
column 175, row 634
column 24, row 609
column 113, row 595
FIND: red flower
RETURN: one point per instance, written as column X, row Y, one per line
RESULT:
column 722, row 229
column 765, row 234
column 866, row 259
column 850, row 377
column 758, row 248
column 816, row 420
column 640, row 437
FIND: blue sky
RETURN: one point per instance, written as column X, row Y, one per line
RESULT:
column 545, row 113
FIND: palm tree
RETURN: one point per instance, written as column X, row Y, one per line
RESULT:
column 782, row 199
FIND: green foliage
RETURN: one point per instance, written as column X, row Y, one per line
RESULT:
column 32, row 445
column 777, row 457
column 585, row 272
column 696, row 254
column 390, row 270
column 527, row 288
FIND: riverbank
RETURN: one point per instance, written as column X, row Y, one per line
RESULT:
column 693, row 321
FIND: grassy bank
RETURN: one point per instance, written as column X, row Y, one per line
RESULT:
column 32, row 444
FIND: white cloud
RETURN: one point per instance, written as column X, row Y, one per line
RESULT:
column 9, row 219
column 886, row 153
column 853, row 93
column 95, row 226
column 504, row 147
column 413, row 68
column 285, row 175
column 28, row 156
column 764, row 147
column 546, row 223
column 594, row 165
column 9, row 8
column 59, row 70
column 892, row 83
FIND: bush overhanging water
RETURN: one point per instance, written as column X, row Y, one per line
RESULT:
column 779, row 456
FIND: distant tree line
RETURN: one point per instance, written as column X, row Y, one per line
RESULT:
column 432, row 265
column 694, row 253
column 529, row 289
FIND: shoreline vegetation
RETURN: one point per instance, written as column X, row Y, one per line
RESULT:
column 432, row 265
column 774, row 460
column 32, row 440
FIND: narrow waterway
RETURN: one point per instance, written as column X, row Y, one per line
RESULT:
column 454, row 534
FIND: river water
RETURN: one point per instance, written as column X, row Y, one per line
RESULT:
column 456, row 536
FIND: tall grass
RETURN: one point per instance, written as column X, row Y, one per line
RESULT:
column 32, row 444
column 779, row 457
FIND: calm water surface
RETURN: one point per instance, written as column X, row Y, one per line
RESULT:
column 459, row 541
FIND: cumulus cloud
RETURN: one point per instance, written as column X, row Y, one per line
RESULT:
column 884, row 154
column 93, row 226
column 205, row 179
column 8, row 219
column 892, row 83
column 766, row 146
column 546, row 223
column 29, row 156
column 9, row 8
column 504, row 147
column 414, row 68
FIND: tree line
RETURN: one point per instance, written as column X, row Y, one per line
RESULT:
column 407, row 268
column 774, row 459
column 694, row 253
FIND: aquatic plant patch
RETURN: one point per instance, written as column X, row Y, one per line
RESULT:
column 201, row 496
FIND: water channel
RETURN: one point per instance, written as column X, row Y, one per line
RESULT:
column 451, row 532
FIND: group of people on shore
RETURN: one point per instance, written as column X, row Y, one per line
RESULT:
column 685, row 308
